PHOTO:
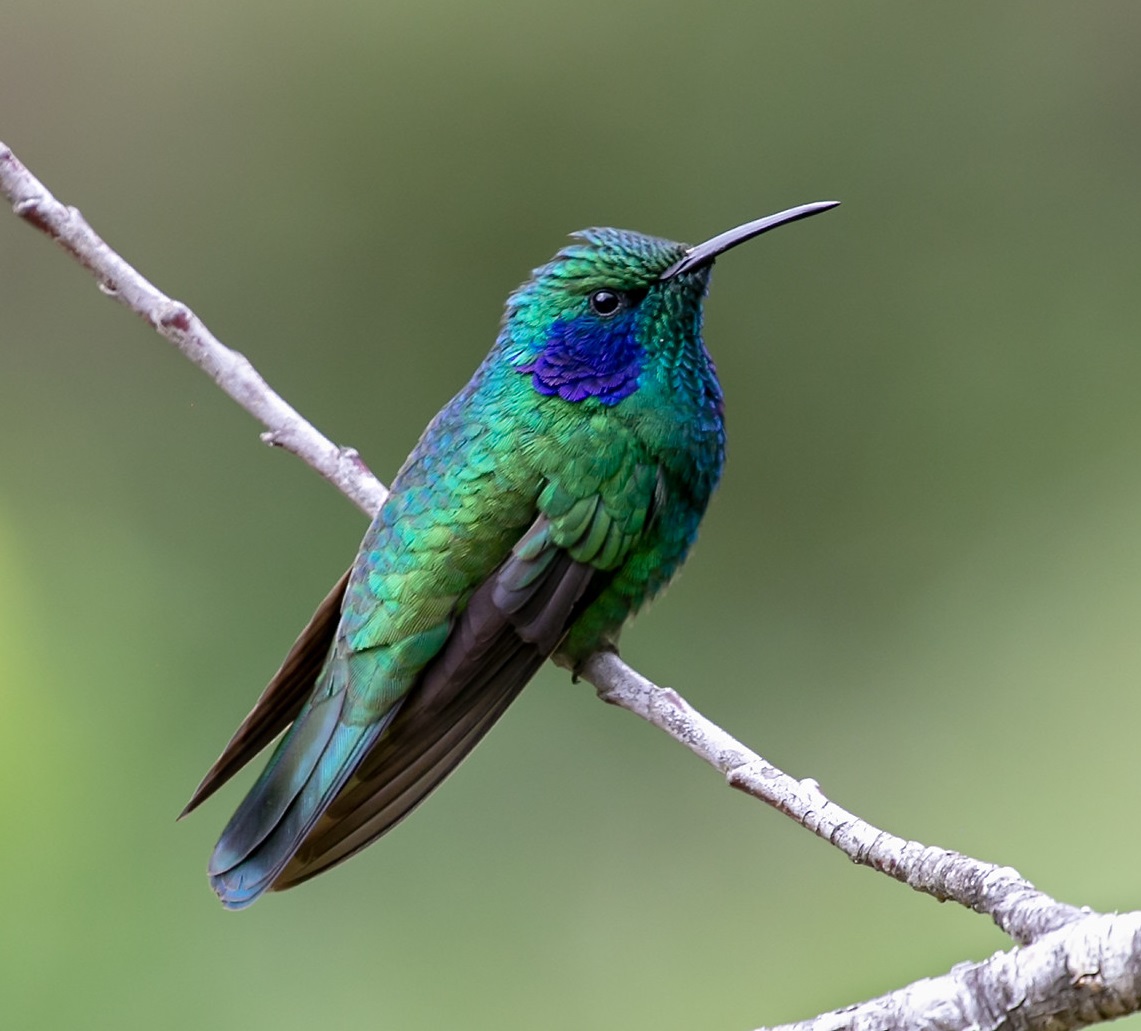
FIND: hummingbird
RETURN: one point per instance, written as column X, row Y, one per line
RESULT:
column 548, row 501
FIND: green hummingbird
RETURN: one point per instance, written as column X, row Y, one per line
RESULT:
column 546, row 503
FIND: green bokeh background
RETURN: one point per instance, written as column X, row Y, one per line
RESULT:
column 920, row 582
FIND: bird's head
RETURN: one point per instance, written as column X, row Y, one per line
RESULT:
column 587, row 324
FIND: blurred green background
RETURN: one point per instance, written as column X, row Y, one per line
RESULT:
column 919, row 584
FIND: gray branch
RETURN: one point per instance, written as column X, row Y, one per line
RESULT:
column 1000, row 892
column 1076, row 968
column 1084, row 974
column 172, row 319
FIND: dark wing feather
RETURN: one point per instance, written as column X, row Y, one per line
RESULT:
column 510, row 626
column 282, row 699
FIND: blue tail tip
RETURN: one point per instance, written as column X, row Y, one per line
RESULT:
column 234, row 893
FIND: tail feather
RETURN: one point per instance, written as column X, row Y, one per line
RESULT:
column 336, row 783
column 310, row 766
column 422, row 747
column 485, row 663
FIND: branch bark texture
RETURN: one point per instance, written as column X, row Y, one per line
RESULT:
column 1076, row 967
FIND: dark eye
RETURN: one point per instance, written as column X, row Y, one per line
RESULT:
column 605, row 303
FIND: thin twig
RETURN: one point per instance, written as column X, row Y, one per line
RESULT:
column 285, row 427
column 1078, row 968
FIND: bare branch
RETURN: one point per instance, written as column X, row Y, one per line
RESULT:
column 1087, row 973
column 1014, row 903
column 1079, row 968
column 286, row 428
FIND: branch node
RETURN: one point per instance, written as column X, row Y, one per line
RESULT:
column 174, row 316
column 740, row 778
column 29, row 210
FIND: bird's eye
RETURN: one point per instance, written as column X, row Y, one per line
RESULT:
column 605, row 303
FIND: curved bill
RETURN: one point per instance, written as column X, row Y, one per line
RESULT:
column 703, row 253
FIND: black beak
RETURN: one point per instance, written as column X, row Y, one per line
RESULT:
column 704, row 253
